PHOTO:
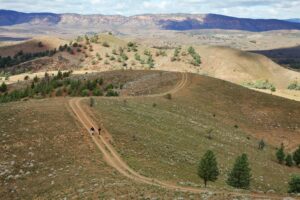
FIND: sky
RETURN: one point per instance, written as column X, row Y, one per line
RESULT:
column 281, row 9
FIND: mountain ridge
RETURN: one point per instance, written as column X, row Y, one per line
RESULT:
column 176, row 22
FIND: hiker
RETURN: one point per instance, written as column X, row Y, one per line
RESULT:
column 92, row 130
column 99, row 131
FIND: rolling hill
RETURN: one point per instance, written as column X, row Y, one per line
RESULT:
column 102, row 53
column 159, row 138
column 177, row 22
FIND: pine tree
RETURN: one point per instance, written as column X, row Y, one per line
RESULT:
column 208, row 168
column 240, row 174
column 294, row 184
column 289, row 160
column 280, row 154
column 296, row 156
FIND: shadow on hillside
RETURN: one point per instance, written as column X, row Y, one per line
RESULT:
column 287, row 57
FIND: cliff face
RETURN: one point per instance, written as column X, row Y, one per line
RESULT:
column 159, row 22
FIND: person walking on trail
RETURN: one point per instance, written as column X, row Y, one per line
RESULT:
column 99, row 131
column 92, row 130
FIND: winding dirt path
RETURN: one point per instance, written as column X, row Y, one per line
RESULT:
column 114, row 159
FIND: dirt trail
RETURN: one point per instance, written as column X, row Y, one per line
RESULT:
column 114, row 160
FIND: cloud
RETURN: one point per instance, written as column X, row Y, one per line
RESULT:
column 239, row 8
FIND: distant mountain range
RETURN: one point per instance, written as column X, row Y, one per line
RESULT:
column 296, row 20
column 148, row 21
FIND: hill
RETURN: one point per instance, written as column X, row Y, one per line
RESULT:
column 35, row 45
column 159, row 138
column 147, row 22
column 106, row 52
column 164, row 139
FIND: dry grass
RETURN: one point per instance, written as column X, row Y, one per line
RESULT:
column 166, row 141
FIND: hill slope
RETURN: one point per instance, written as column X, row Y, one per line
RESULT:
column 165, row 139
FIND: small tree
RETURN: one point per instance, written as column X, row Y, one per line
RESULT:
column 240, row 175
column 296, row 156
column 208, row 168
column 294, row 184
column 289, row 160
column 280, row 154
column 261, row 144
column 3, row 87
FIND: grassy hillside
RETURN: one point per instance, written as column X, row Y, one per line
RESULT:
column 165, row 138
column 45, row 157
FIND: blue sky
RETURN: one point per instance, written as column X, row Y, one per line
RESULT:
column 240, row 8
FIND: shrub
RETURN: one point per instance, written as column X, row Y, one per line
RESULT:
column 296, row 156
column 3, row 87
column 289, row 160
column 112, row 93
column 294, row 184
column 85, row 93
column 294, row 86
column 105, row 44
column 97, row 92
column 168, row 96
column 261, row 84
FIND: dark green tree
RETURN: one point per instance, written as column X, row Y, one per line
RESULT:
column 240, row 175
column 294, row 184
column 280, row 155
column 208, row 168
column 289, row 160
column 296, row 156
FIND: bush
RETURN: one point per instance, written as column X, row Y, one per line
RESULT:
column 289, row 160
column 294, row 184
column 296, row 156
column 105, row 44
column 168, row 96
column 3, row 87
column 112, row 93
column 85, row 93
column 294, row 86
column 97, row 92
column 261, row 84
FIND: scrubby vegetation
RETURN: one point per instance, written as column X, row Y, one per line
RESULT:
column 60, row 85
column 261, row 84
column 294, row 86
column 196, row 57
column 294, row 184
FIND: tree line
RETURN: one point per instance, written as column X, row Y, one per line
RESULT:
column 59, row 85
